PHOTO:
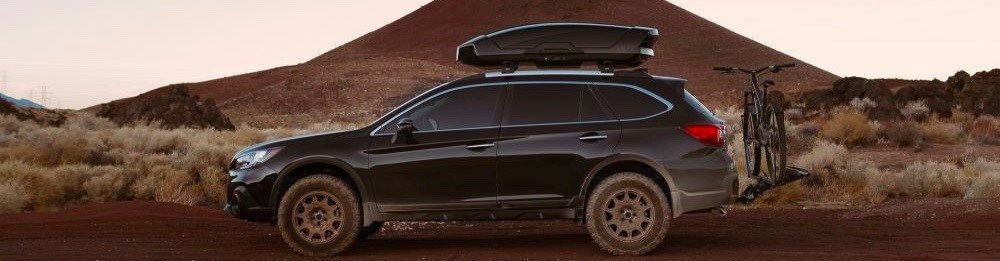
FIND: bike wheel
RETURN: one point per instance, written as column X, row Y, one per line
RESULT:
column 751, row 149
column 776, row 151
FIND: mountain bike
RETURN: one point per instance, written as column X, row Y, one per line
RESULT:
column 763, row 124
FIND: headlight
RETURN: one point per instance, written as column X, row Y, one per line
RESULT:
column 254, row 158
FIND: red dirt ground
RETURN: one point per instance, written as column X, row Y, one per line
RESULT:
column 921, row 229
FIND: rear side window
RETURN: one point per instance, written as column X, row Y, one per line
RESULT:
column 552, row 103
column 629, row 103
column 690, row 99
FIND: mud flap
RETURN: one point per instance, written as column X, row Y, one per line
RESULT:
column 754, row 191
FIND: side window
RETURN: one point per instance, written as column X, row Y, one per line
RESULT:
column 628, row 103
column 552, row 103
column 463, row 108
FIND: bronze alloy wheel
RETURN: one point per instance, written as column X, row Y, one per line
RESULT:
column 318, row 217
column 629, row 215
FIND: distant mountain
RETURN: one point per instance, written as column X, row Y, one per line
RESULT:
column 376, row 72
column 21, row 102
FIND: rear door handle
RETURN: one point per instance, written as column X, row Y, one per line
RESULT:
column 593, row 137
column 480, row 146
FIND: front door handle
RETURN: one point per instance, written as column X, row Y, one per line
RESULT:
column 480, row 146
column 593, row 137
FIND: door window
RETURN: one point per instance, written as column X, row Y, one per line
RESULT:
column 472, row 107
column 552, row 103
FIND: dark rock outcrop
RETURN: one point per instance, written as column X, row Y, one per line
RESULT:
column 884, row 113
column 845, row 90
column 979, row 93
column 172, row 106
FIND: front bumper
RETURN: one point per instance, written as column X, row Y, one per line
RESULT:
column 243, row 206
column 248, row 192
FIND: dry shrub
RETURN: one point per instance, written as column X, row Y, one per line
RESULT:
column 937, row 131
column 39, row 183
column 984, row 179
column 916, row 110
column 861, row 104
column 49, row 147
column 13, row 196
column 848, row 127
column 904, row 134
column 935, row 179
column 87, row 121
column 985, row 129
column 824, row 155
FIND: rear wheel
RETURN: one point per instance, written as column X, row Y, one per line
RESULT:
column 319, row 216
column 628, row 214
column 776, row 151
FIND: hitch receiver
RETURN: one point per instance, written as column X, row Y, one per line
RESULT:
column 753, row 191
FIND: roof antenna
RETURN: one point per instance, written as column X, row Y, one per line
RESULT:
column 509, row 67
column 606, row 66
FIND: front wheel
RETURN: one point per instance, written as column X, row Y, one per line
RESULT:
column 628, row 214
column 319, row 216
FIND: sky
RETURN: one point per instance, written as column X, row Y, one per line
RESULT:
column 84, row 53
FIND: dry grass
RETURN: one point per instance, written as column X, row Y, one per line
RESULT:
column 90, row 159
column 985, row 129
column 938, row 131
column 904, row 134
column 848, row 127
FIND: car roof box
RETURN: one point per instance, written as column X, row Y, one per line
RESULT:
column 561, row 45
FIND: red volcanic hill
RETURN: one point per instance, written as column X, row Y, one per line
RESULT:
column 372, row 74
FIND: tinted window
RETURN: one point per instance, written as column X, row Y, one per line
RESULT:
column 552, row 103
column 628, row 103
column 463, row 108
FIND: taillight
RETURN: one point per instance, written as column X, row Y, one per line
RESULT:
column 711, row 134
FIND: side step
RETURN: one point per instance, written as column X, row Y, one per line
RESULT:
column 753, row 191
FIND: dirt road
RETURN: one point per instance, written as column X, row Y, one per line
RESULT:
column 923, row 229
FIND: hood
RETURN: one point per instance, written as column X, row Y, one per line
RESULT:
column 285, row 142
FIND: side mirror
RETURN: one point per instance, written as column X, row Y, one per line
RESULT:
column 404, row 132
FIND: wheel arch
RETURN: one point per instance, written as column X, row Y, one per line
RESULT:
column 323, row 165
column 632, row 163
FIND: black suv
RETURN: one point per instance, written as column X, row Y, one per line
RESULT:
column 622, row 152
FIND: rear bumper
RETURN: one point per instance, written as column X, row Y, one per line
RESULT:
column 706, row 183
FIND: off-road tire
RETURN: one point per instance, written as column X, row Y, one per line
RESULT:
column 597, row 216
column 370, row 230
column 777, row 152
column 349, row 215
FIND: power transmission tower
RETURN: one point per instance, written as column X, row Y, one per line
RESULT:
column 43, row 96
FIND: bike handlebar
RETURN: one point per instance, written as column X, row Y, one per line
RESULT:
column 772, row 68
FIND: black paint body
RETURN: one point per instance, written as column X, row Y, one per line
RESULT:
column 504, row 171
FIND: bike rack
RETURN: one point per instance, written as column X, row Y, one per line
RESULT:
column 753, row 191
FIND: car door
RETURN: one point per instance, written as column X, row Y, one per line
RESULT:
column 450, row 163
column 551, row 136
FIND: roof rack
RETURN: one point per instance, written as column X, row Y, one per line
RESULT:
column 560, row 45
